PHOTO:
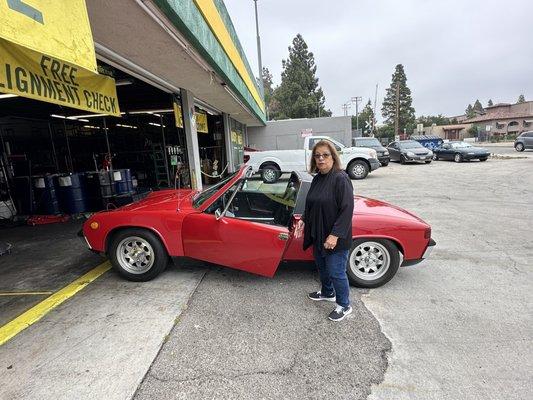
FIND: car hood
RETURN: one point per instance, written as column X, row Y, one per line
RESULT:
column 162, row 200
column 368, row 206
column 353, row 150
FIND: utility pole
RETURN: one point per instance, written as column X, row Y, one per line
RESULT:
column 397, row 122
column 345, row 107
column 356, row 99
column 259, row 51
column 375, row 102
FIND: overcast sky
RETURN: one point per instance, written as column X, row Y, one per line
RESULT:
column 453, row 51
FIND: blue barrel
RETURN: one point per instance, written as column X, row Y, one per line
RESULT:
column 123, row 181
column 106, row 184
column 72, row 193
column 45, row 196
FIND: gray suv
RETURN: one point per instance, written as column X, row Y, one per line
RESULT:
column 524, row 141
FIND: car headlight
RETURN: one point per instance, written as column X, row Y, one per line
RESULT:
column 373, row 154
column 410, row 154
column 430, row 153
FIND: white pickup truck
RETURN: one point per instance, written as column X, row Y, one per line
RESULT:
column 358, row 161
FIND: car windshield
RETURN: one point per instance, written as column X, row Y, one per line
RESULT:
column 202, row 197
column 367, row 142
column 410, row 145
column 460, row 145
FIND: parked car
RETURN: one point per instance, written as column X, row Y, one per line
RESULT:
column 524, row 141
column 357, row 161
column 409, row 150
column 373, row 143
column 247, row 224
column 460, row 151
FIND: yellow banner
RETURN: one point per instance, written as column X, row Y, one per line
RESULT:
column 37, row 76
column 201, row 122
column 59, row 28
column 178, row 115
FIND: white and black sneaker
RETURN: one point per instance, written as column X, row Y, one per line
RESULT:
column 339, row 313
column 317, row 296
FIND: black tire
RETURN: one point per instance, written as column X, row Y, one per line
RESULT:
column 270, row 172
column 482, row 159
column 384, row 164
column 519, row 147
column 358, row 169
column 402, row 159
column 150, row 247
column 428, row 162
column 435, row 157
column 387, row 250
column 458, row 157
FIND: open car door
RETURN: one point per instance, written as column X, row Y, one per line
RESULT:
column 245, row 227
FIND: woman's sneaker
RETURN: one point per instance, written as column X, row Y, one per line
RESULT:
column 317, row 296
column 339, row 313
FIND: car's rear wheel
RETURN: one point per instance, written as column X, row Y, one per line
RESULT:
column 270, row 173
column 519, row 147
column 137, row 254
column 372, row 262
column 458, row 157
column 358, row 169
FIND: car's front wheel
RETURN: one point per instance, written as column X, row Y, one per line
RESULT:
column 435, row 157
column 358, row 169
column 519, row 147
column 483, row 159
column 384, row 164
column 137, row 254
column 403, row 160
column 458, row 157
column 372, row 262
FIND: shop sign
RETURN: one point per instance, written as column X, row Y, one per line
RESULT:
column 178, row 115
column 59, row 29
column 201, row 122
column 38, row 76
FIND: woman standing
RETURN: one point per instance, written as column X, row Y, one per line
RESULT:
column 327, row 226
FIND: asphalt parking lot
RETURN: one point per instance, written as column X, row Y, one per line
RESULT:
column 458, row 325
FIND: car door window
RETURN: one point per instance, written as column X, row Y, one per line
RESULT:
column 267, row 203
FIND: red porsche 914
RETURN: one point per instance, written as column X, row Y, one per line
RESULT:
column 245, row 223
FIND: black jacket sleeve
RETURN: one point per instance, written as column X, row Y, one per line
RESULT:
column 344, row 198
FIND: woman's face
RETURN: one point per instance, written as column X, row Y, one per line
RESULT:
column 323, row 159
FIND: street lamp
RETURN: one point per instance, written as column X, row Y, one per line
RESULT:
column 259, row 50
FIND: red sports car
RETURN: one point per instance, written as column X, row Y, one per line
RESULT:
column 247, row 224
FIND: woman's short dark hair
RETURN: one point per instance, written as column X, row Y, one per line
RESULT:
column 336, row 160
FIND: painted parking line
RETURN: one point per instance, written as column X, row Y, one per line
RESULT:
column 38, row 311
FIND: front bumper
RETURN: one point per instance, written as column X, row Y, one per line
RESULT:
column 418, row 158
column 384, row 159
column 374, row 163
column 475, row 156
column 427, row 252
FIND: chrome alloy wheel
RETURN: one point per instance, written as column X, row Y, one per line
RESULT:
column 369, row 261
column 135, row 255
column 270, row 175
column 358, row 170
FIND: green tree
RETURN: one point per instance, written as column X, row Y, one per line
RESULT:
column 268, row 89
column 478, row 108
column 366, row 114
column 521, row 99
column 398, row 88
column 433, row 119
column 470, row 111
column 490, row 103
column 298, row 95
